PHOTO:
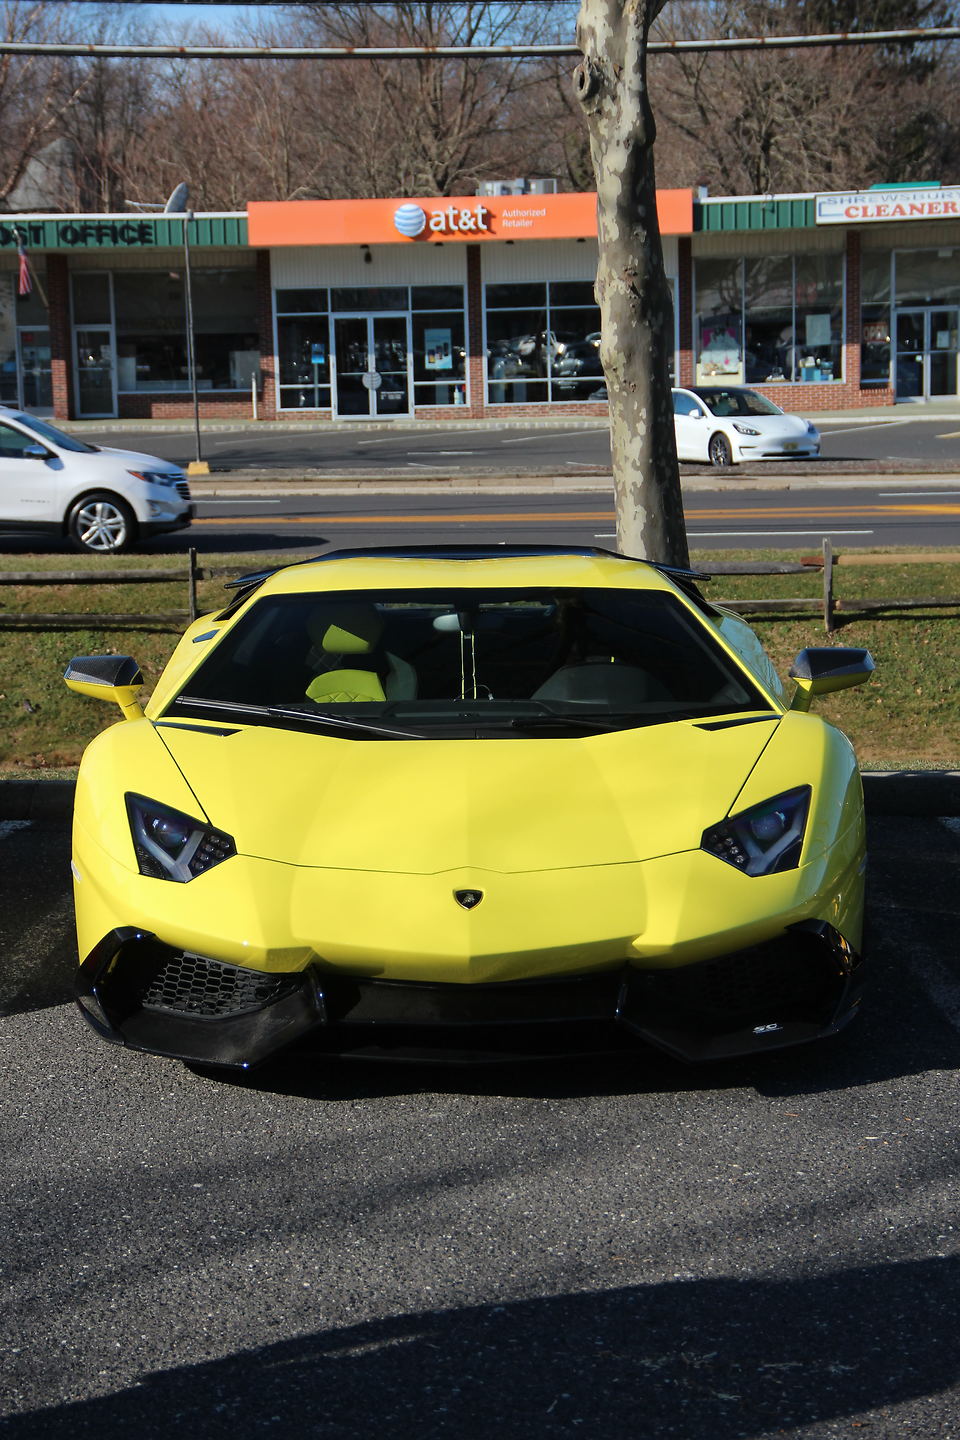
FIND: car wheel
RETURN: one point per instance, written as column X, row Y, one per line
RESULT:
column 101, row 524
column 719, row 451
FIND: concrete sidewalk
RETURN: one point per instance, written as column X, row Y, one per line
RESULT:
column 930, row 793
column 941, row 409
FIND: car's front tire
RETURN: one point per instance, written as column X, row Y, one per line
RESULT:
column 101, row 524
column 719, row 451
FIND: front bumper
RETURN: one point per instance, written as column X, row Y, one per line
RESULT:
column 802, row 985
column 168, row 523
column 801, row 451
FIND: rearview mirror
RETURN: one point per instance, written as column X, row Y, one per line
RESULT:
column 825, row 668
column 36, row 452
column 107, row 677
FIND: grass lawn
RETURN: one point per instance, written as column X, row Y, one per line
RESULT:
column 907, row 717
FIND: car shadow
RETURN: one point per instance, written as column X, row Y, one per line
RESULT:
column 726, row 1358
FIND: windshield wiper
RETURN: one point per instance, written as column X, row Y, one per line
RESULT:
column 315, row 719
column 604, row 721
column 596, row 723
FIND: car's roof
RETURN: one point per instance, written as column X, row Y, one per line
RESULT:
column 446, row 567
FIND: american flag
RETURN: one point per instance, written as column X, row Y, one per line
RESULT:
column 25, row 279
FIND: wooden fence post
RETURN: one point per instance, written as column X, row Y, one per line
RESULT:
column 828, row 586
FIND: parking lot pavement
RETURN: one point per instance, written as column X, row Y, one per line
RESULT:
column 756, row 1249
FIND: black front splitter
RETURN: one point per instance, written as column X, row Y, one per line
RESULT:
column 803, row 985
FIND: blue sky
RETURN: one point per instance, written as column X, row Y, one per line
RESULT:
column 220, row 16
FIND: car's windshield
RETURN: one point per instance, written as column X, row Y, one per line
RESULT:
column 736, row 402
column 447, row 663
column 55, row 436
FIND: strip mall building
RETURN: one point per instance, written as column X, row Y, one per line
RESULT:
column 477, row 306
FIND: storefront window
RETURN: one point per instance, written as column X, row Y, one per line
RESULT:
column 770, row 341
column 875, row 322
column 151, row 329
column 543, row 343
column 367, row 299
column 25, row 373
column 302, row 302
column 788, row 309
column 304, row 360
column 91, row 298
column 928, row 277
column 819, row 317
column 719, row 300
column 439, row 346
column 9, row 392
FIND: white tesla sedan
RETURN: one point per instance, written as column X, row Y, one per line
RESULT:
column 726, row 425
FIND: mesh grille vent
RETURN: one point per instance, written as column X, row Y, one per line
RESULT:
column 195, row 985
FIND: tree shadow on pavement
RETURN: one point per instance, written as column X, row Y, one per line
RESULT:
column 727, row 1359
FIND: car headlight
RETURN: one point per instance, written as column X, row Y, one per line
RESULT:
column 172, row 846
column 744, row 429
column 158, row 477
column 765, row 839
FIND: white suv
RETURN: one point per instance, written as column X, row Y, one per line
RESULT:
column 103, row 500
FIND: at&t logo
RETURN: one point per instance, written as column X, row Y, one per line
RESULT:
column 412, row 220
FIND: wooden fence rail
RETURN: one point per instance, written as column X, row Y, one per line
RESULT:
column 828, row 605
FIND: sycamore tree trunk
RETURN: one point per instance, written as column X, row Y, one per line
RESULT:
column 636, row 317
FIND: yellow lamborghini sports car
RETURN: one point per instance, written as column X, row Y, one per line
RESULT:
column 468, row 803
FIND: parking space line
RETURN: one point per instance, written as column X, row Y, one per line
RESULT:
column 551, row 435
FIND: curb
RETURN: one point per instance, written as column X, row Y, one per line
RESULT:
column 922, row 793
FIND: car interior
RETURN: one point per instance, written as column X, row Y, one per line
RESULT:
column 425, row 653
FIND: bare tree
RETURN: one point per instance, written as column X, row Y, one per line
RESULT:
column 431, row 126
column 113, row 101
column 34, row 91
column 767, row 122
column 632, row 291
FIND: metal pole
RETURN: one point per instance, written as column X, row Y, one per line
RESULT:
column 199, row 466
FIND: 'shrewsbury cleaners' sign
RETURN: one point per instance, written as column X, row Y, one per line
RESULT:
column 921, row 204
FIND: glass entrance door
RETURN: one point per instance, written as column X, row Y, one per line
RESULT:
column 96, row 382
column 371, row 354
column 927, row 347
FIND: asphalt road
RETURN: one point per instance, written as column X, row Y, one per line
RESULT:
column 908, row 437
column 594, row 1249
column 895, row 513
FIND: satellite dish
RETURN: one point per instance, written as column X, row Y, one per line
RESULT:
column 177, row 204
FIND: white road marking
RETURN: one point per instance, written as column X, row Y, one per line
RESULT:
column 916, row 494
column 752, row 534
column 761, row 534
column 554, row 435
column 950, row 435
column 951, row 823
column 7, row 827
column 232, row 500
column 444, row 452
column 861, row 424
column 392, row 439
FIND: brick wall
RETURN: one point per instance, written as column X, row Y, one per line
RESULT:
column 58, row 300
column 684, row 294
column 475, row 355
column 269, row 367
column 231, row 405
